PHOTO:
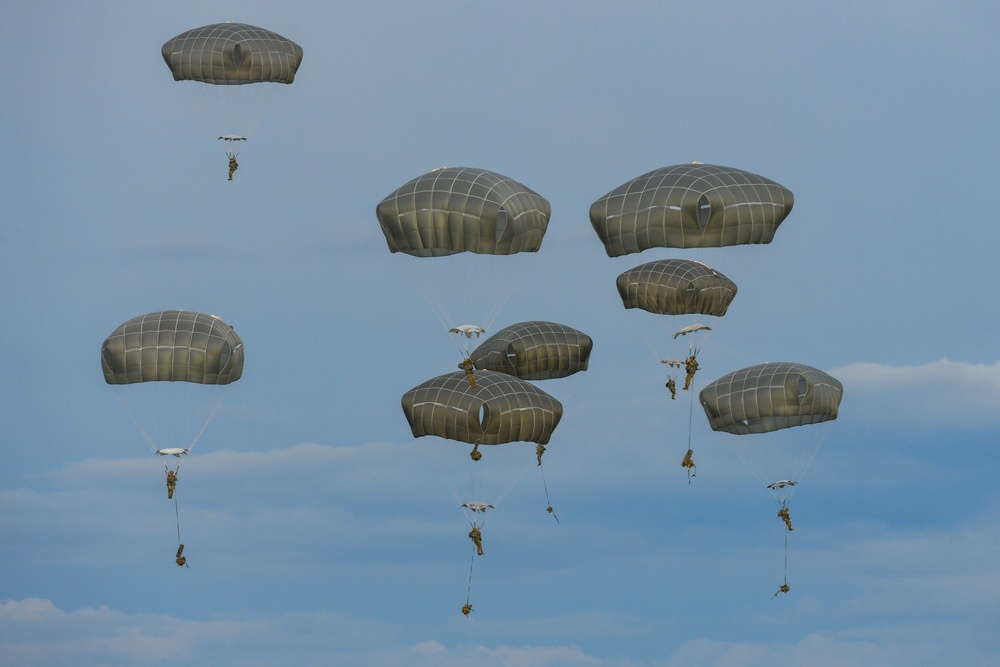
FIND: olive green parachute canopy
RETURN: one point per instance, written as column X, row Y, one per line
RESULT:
column 462, row 209
column 771, row 396
column 500, row 409
column 690, row 206
column 535, row 351
column 173, row 345
column 676, row 287
column 232, row 54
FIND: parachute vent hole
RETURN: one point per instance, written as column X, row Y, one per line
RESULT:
column 237, row 55
column 803, row 388
column 484, row 416
column 501, row 223
column 689, row 294
column 511, row 355
column 704, row 212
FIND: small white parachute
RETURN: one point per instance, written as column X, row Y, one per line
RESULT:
column 477, row 506
column 172, row 451
column 780, row 484
column 232, row 137
column 468, row 330
column 691, row 329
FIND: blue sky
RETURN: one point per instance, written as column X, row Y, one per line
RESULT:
column 318, row 531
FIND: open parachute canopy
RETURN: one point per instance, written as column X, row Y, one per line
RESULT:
column 232, row 54
column 676, row 287
column 691, row 329
column 535, row 350
column 462, row 209
column 174, row 346
column 500, row 409
column 769, row 397
column 690, row 206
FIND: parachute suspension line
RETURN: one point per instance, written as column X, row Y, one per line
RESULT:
column 652, row 334
column 154, row 440
column 479, row 480
column 138, row 426
column 505, row 295
column 505, row 490
column 745, row 455
column 435, row 304
column 808, row 455
column 211, row 416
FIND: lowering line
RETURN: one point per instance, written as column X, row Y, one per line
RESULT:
column 784, row 588
column 687, row 457
column 468, row 590
column 177, row 514
column 548, row 502
column 785, row 579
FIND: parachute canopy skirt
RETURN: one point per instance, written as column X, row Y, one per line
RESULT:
column 676, row 287
column 500, row 409
column 463, row 209
column 535, row 350
column 690, row 206
column 769, row 397
column 175, row 346
column 232, row 54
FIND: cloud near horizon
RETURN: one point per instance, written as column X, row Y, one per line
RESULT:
column 942, row 393
column 35, row 631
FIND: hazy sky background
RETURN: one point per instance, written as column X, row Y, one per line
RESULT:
column 318, row 530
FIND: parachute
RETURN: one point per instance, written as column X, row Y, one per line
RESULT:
column 758, row 401
column 781, row 411
column 499, row 410
column 462, row 209
column 228, row 57
column 535, row 350
column 687, row 291
column 468, row 229
column 144, row 356
column 468, row 330
column 690, row 329
column 770, row 397
column 676, row 287
column 170, row 368
column 173, row 346
column 690, row 206
column 229, row 54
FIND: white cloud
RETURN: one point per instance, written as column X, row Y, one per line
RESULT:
column 915, row 646
column 36, row 632
column 941, row 392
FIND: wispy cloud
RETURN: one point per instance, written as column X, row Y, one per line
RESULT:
column 942, row 392
column 37, row 632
